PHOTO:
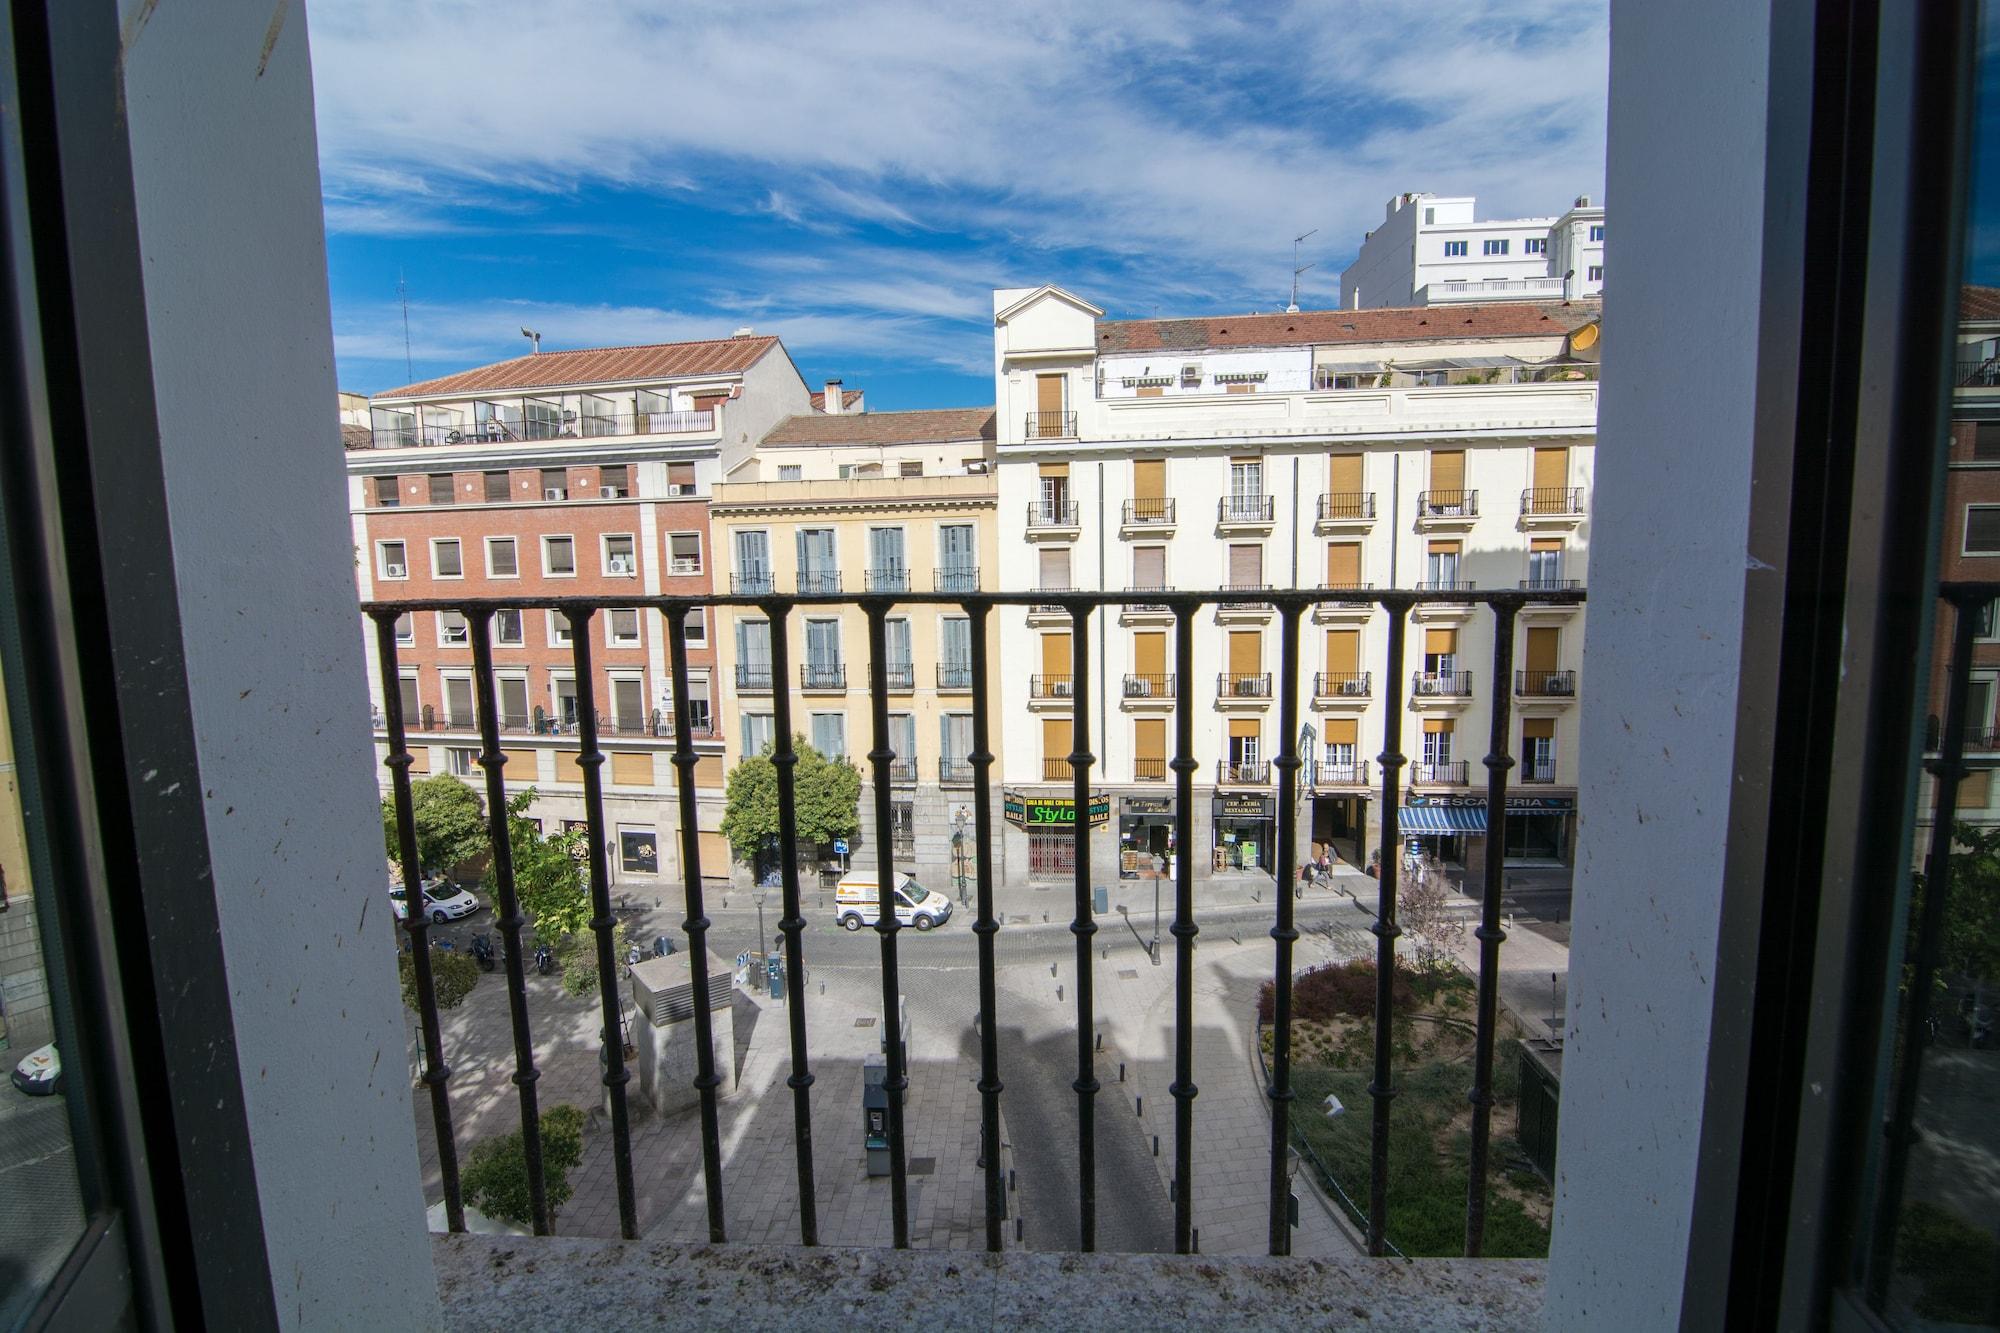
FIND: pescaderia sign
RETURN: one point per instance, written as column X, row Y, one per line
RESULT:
column 1524, row 804
column 1051, row 811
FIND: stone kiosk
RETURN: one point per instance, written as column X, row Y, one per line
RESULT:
column 663, row 1029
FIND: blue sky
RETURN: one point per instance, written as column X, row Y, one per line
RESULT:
column 857, row 179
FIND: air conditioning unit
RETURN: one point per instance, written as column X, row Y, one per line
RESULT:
column 1060, row 689
column 396, row 571
column 620, row 565
column 1138, row 689
column 1353, row 687
column 608, row 492
column 555, row 493
column 681, row 488
column 1191, row 373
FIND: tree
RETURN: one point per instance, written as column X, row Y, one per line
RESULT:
column 495, row 1180
column 549, row 881
column 826, row 800
column 451, row 829
column 1969, row 938
column 1424, row 907
column 453, row 975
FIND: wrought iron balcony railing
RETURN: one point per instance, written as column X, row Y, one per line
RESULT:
column 1543, row 683
column 955, row 578
column 954, row 676
column 891, row 579
column 1051, row 514
column 1144, row 685
column 1142, row 513
column 903, row 772
column 819, row 583
column 1447, row 504
column 1242, row 598
column 754, row 584
column 900, row 676
column 1342, row 775
column 1456, row 684
column 1149, row 770
column 1050, row 426
column 1243, row 772
column 1550, row 584
column 1445, row 773
column 1281, row 775
column 1336, row 505
column 1531, row 771
column 824, row 676
column 1246, row 509
column 1354, row 686
column 1243, row 684
column 754, row 676
column 1552, row 501
column 1051, row 687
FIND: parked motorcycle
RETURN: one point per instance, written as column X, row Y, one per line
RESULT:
column 545, row 959
column 662, row 946
column 482, row 952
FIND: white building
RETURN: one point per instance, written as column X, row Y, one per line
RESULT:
column 1342, row 449
column 1433, row 251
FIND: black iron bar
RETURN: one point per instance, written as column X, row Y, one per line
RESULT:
column 985, row 928
column 1489, row 934
column 785, row 759
column 603, row 922
column 1184, row 929
column 1947, row 772
column 1083, row 927
column 1285, row 933
column 706, row 1079
column 882, row 756
column 1382, row 1087
column 416, row 921
column 507, row 905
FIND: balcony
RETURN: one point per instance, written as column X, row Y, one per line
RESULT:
column 903, row 772
column 1340, row 689
column 752, row 585
column 1149, row 770
column 895, row 579
column 1343, row 610
column 954, row 678
column 1246, row 513
column 1535, row 774
column 1242, row 604
column 1344, row 511
column 506, row 421
column 1056, row 688
column 1052, row 518
column 1243, row 773
column 1243, row 687
column 1447, row 509
column 753, row 677
column 954, row 772
column 1145, row 613
column 1147, row 690
column 955, row 578
column 1551, row 508
column 1489, row 289
column 819, row 583
column 1147, row 516
column 1057, row 770
column 1451, row 773
column 1441, row 685
column 1341, row 775
column 1050, row 426
column 899, row 677
column 823, row 677
column 1047, row 613
column 1545, row 684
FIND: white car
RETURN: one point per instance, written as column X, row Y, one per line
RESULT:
column 442, row 901
column 41, row 1073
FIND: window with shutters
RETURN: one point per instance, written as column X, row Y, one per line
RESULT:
column 1054, row 682
column 628, row 703
column 503, row 560
column 614, row 483
column 507, row 630
column 1149, row 749
column 555, row 484
column 680, row 479
column 620, row 555
column 440, row 488
column 829, row 734
column 1343, row 565
column 1246, row 743
column 496, row 486
column 1545, row 563
column 1340, row 740
column 458, row 700
column 758, row 731
column 1246, row 566
column 1054, row 507
column 386, row 494
column 1538, row 749
column 1447, row 479
column 701, row 720
column 1343, row 663
column 955, row 653
column 412, row 705
column 447, row 562
column 391, row 561
column 684, row 552
column 559, row 557
column 1986, row 442
column 1056, row 747
column 1440, row 651
column 1441, row 565
column 513, row 700
column 1149, row 569
column 1982, row 530
column 1437, row 741
column 1054, row 562
column 621, row 627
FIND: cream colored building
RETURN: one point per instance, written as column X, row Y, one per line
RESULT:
column 1407, row 448
column 852, row 504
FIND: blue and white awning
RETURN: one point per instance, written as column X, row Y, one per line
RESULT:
column 1442, row 819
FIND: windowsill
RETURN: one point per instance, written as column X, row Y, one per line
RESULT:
column 495, row 1281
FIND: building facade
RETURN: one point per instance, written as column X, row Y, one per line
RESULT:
column 1329, row 449
column 847, row 505
column 1435, row 251
column 570, row 472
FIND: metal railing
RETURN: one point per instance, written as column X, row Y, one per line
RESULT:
column 1534, row 772
column 1346, row 504
column 1052, row 513
column 1050, row 426
column 1978, row 373
column 1348, row 595
column 1551, row 585
column 1444, row 773
column 819, row 582
column 1246, row 509
column 1335, row 686
column 1056, row 770
column 1243, row 772
column 1051, row 687
column 751, row 585
column 1342, row 775
column 1239, row 602
column 1389, row 377
column 903, row 772
column 955, row 578
column 824, row 676
column 1147, row 606
column 1457, row 684
column 900, row 676
column 1141, row 513
column 1148, row 685
column 1447, row 504
column 1149, row 770
column 754, row 676
column 1243, row 684
column 884, row 580
column 566, row 424
column 1539, row 683
column 1555, row 501
column 954, row 676
column 975, row 769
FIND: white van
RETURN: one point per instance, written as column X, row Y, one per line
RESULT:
column 857, row 902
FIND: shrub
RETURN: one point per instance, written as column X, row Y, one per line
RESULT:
column 453, row 975
column 495, row 1179
column 1954, row 1261
column 1334, row 990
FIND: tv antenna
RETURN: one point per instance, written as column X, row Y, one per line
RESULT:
column 403, row 294
column 1298, row 268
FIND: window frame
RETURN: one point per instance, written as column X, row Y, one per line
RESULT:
column 443, row 619
column 559, row 634
column 520, row 639
column 1494, row 247
column 491, row 543
column 700, row 553
column 1457, row 250
column 457, row 546
column 1965, row 533
column 382, row 573
column 547, row 538
column 604, row 557
column 611, row 637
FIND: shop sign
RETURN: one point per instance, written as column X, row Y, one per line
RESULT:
column 1051, row 811
column 1147, row 805
column 1516, row 804
column 1241, row 805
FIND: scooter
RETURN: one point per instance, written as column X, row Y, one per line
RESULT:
column 482, row 952
column 545, row 959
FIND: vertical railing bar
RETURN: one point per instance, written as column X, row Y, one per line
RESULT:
column 784, row 759
column 706, row 1080
column 1382, row 1086
column 1950, row 769
column 1499, row 761
column 886, row 924
column 1184, row 929
column 508, row 904
column 1285, row 932
column 985, row 928
column 1083, row 927
column 590, row 760
column 416, row 922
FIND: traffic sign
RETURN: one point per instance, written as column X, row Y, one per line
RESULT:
column 840, row 846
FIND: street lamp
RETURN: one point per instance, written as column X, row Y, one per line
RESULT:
column 760, row 921
column 958, row 851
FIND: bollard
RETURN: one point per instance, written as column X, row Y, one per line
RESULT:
column 1156, row 1145
column 1138, row 1106
column 1010, row 1178
column 1058, row 994
column 1197, row 1240
column 1045, row 918
column 1256, row 896
column 1173, row 1191
column 1107, row 952
column 1052, row 969
column 1017, row 1231
column 1121, row 1071
column 822, row 988
column 1100, row 1041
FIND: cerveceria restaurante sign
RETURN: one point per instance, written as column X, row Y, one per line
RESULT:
column 1051, row 811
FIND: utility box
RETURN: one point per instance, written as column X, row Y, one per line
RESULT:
column 663, row 1028
column 875, row 1113
column 903, row 1028
column 1100, row 899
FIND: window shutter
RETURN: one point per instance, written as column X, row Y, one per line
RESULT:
column 631, row 769
column 1149, row 566
column 1982, row 530
column 1149, row 654
column 1246, row 566
column 1055, row 469
column 1149, row 478
column 1342, row 731
column 1246, row 652
column 1343, row 565
column 1538, row 728
column 1448, row 470
column 1438, row 726
column 1242, row 728
column 1343, row 652
column 1343, row 474
column 1149, row 737
column 1551, row 469
column 1543, row 643
column 1441, row 641
column 1055, row 655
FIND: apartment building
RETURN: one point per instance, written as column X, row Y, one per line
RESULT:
column 1406, row 448
column 585, row 473
column 1435, row 251
column 845, row 505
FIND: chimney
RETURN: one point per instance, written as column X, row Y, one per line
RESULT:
column 833, row 398
column 1583, row 201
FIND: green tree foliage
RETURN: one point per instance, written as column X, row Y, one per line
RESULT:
column 1971, row 936
column 827, row 797
column 549, row 877
column 495, row 1179
column 453, row 975
column 576, row 955
column 451, row 829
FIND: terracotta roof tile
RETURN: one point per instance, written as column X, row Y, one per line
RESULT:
column 356, row 437
column 848, row 398
column 1511, row 319
column 597, row 365
column 1978, row 302
column 865, row 428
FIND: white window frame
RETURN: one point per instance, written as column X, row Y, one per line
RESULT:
column 547, row 571
column 445, row 678
column 1456, row 250
column 382, row 561
column 1597, row 231
column 514, row 542
column 604, row 541
column 1595, row 273
column 694, row 630
column 611, row 638
column 559, row 635
column 1989, row 630
column 527, row 697
column 461, row 761
column 1535, row 245
column 416, row 677
column 700, row 554
column 1493, row 247
column 444, row 641
column 438, row 544
column 611, row 682
column 796, row 470
column 558, row 678
column 406, row 630
column 520, row 619
column 1965, row 532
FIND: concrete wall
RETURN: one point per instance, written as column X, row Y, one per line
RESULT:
column 220, row 112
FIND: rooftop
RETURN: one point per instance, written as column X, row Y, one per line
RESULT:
column 1513, row 319
column 848, row 398
column 597, row 365
column 1978, row 303
column 931, row 425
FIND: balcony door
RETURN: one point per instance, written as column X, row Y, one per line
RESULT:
column 1448, row 481
column 1545, row 562
column 1544, row 653
column 1049, row 404
column 1149, row 568
column 955, row 650
column 1437, row 741
column 822, row 646
column 1245, row 745
column 1246, row 660
column 1343, row 564
column 1054, row 562
column 1246, row 488
column 885, row 557
column 1149, row 662
column 1055, row 665
column 955, row 738
column 815, row 556
column 1551, row 482
column 1343, row 658
column 1440, row 652
column 896, row 642
column 1341, row 735
column 753, row 558
column 903, row 737
column 628, row 703
column 513, row 700
column 1055, row 491
column 956, row 557
column 1441, row 564
column 753, row 649
column 1538, row 749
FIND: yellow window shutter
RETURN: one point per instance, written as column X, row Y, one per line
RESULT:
column 1437, row 725
column 1544, row 642
column 708, row 772
column 1055, row 469
column 1448, row 470
column 1246, row 652
column 1149, row 654
column 1149, row 737
column 420, row 758
column 567, row 769
column 631, row 768
column 1055, row 738
column 1149, row 479
column 1551, row 469
column 1343, row 564
column 1545, row 544
column 1343, row 652
column 1243, row 727
column 1440, row 641
column 522, row 767
column 1048, row 393
column 1538, row 728
column 1974, row 789
column 1446, row 548
column 1343, row 474
column 1342, row 731
column 1055, row 655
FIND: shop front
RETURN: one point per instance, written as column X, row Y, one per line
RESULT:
column 1048, row 826
column 1453, row 828
column 1145, row 836
column 1246, row 831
